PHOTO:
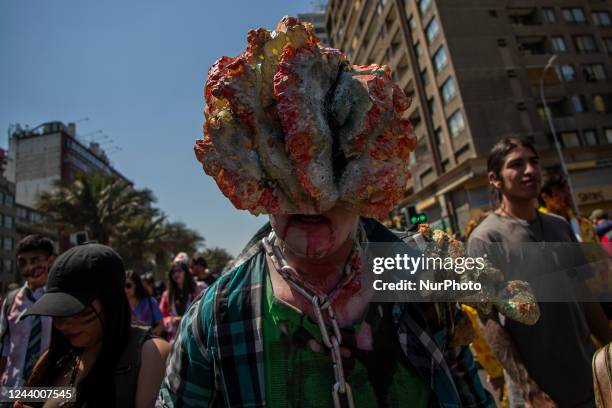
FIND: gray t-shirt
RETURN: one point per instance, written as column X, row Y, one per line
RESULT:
column 557, row 350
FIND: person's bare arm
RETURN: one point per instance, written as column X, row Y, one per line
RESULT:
column 152, row 368
column 598, row 322
column 504, row 350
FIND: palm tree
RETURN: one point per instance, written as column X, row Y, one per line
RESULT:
column 139, row 239
column 150, row 239
column 114, row 213
column 217, row 258
column 96, row 202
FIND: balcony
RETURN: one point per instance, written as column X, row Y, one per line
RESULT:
column 533, row 45
column 524, row 16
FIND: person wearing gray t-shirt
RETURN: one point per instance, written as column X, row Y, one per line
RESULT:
column 549, row 362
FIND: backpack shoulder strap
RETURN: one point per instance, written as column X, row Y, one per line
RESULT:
column 128, row 367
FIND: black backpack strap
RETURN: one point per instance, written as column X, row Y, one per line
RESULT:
column 4, row 324
column 128, row 367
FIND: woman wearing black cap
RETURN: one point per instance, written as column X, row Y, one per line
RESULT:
column 94, row 348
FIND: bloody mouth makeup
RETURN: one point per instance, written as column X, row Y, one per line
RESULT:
column 315, row 236
column 312, row 236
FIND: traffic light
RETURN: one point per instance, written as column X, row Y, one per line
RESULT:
column 414, row 217
column 418, row 218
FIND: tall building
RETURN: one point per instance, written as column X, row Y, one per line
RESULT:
column 47, row 153
column 473, row 69
column 8, row 237
column 317, row 18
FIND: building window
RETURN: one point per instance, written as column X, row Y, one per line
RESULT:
column 412, row 23
column 549, row 15
column 522, row 16
column 594, row 72
column 608, row 44
column 7, row 266
column 448, row 90
column 425, row 176
column 22, row 213
column 424, row 6
column 558, row 44
column 439, row 136
column 570, row 139
column 590, row 137
column 456, row 123
column 432, row 105
column 601, row 18
column 585, row 44
column 566, row 73
column 432, row 30
column 418, row 49
column 9, row 200
column 439, row 59
column 424, row 77
column 578, row 103
column 533, row 45
column 8, row 221
column 608, row 133
column 411, row 158
column 574, row 15
column 7, row 243
column 602, row 103
column 1, row 197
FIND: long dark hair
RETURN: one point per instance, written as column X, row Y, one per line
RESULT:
column 179, row 296
column 98, row 388
column 495, row 162
column 139, row 289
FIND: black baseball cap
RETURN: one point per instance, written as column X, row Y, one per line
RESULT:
column 77, row 278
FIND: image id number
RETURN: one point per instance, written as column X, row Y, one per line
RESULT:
column 36, row 394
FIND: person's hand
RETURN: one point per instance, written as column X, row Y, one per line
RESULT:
column 176, row 320
column 540, row 399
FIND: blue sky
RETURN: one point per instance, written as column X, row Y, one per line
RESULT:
column 136, row 69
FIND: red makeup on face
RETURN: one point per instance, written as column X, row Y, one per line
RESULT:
column 82, row 329
column 315, row 236
column 34, row 267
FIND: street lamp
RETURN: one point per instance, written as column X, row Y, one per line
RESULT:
column 549, row 64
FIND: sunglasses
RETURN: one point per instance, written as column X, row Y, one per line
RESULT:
column 129, row 285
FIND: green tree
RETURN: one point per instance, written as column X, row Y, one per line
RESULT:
column 138, row 240
column 217, row 258
column 97, row 203
column 149, row 242
column 114, row 213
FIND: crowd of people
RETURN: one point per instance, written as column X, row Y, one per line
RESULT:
column 81, row 320
column 293, row 322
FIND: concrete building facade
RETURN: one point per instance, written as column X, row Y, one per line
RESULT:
column 8, row 236
column 48, row 153
column 317, row 19
column 473, row 69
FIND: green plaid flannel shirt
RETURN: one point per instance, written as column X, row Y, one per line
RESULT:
column 217, row 358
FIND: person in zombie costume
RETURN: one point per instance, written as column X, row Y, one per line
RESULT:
column 296, row 132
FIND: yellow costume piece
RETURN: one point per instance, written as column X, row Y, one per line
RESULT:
column 482, row 350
